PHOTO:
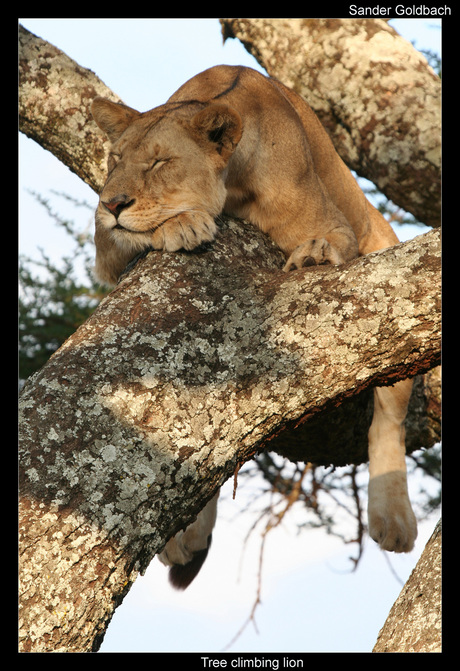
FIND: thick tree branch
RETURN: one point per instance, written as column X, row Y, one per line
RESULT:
column 187, row 369
column 339, row 435
column 372, row 90
column 55, row 95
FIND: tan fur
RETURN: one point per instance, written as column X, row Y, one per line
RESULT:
column 231, row 140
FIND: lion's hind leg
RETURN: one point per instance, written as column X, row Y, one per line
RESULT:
column 392, row 523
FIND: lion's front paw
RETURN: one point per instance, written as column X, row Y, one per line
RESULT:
column 392, row 523
column 315, row 252
column 186, row 231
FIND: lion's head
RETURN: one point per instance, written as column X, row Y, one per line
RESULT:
column 165, row 182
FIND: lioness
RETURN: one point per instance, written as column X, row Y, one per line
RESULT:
column 232, row 140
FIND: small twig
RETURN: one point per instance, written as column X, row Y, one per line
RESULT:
column 272, row 523
column 235, row 477
column 392, row 570
column 359, row 517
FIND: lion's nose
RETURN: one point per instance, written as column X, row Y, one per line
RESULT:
column 117, row 204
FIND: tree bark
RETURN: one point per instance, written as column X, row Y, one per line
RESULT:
column 187, row 369
column 373, row 91
column 331, row 438
column 191, row 365
column 414, row 623
column 55, row 95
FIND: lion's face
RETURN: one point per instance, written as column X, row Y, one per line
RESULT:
column 154, row 175
column 165, row 180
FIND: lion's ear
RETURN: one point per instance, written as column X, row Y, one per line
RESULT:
column 112, row 118
column 221, row 126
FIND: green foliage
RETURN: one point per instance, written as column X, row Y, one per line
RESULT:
column 54, row 301
column 434, row 60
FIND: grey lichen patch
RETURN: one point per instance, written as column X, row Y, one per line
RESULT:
column 51, row 607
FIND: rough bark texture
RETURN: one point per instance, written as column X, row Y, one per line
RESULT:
column 188, row 368
column 373, row 91
column 55, row 95
column 414, row 623
column 331, row 438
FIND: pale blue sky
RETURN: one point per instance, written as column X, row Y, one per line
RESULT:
column 310, row 600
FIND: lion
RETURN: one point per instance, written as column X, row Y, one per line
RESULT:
column 234, row 141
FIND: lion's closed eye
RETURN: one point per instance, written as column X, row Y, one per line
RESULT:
column 157, row 163
column 112, row 161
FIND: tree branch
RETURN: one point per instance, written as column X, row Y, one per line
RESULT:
column 414, row 623
column 55, row 95
column 367, row 85
column 188, row 368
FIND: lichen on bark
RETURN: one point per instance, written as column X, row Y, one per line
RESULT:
column 55, row 95
column 189, row 367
